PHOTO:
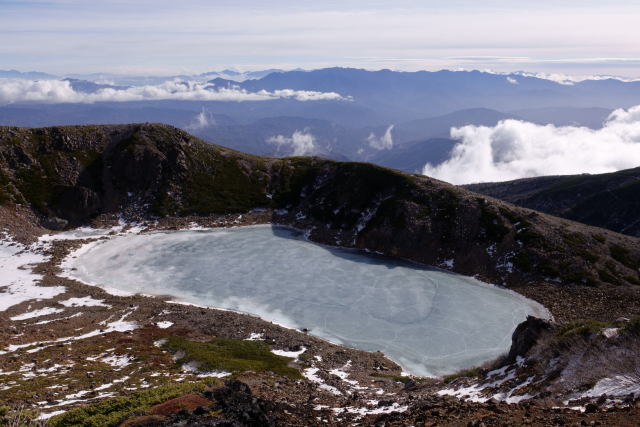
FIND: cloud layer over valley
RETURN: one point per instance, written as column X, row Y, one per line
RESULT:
column 301, row 143
column 61, row 91
column 516, row 149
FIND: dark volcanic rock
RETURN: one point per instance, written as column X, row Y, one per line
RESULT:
column 525, row 337
column 238, row 402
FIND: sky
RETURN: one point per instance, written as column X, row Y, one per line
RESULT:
column 192, row 36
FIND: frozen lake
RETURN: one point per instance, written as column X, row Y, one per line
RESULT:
column 429, row 321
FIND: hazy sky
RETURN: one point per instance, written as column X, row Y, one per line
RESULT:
column 189, row 36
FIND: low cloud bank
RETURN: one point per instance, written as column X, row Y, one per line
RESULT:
column 383, row 142
column 515, row 149
column 301, row 143
column 61, row 91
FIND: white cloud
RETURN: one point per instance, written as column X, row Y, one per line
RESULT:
column 301, row 143
column 60, row 91
column 515, row 149
column 164, row 35
column 384, row 142
column 512, row 80
column 203, row 119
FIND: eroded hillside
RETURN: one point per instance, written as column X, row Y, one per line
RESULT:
column 69, row 176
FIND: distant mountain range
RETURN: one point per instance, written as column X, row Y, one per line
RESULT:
column 15, row 74
column 404, row 96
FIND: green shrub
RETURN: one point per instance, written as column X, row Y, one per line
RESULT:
column 607, row 277
column 583, row 328
column 111, row 411
column 226, row 354
column 623, row 256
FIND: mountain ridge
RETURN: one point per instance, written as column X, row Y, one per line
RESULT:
column 603, row 200
column 69, row 176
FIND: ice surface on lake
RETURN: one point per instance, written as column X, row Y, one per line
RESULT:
column 431, row 322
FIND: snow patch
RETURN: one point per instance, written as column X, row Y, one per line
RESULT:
column 311, row 375
column 18, row 283
column 474, row 392
column 255, row 336
column 44, row 322
column 291, row 354
column 619, row 385
column 84, row 302
column 164, row 324
column 344, row 376
column 117, row 361
column 47, row 415
column 394, row 407
column 117, row 326
column 193, row 368
column 37, row 313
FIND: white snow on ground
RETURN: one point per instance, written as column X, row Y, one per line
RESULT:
column 344, row 376
column 395, row 407
column 47, row 415
column 117, row 326
column 90, row 233
column 192, row 368
column 84, row 302
column 72, row 400
column 77, row 395
column 255, row 336
column 311, row 375
column 44, row 322
column 160, row 342
column 17, row 281
column 164, row 324
column 474, row 392
column 37, row 313
column 610, row 332
column 117, row 361
column 620, row 385
column 108, row 385
column 511, row 398
column 81, row 233
column 292, row 354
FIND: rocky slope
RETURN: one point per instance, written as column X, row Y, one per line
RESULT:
column 69, row 349
column 69, row 176
column 610, row 200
